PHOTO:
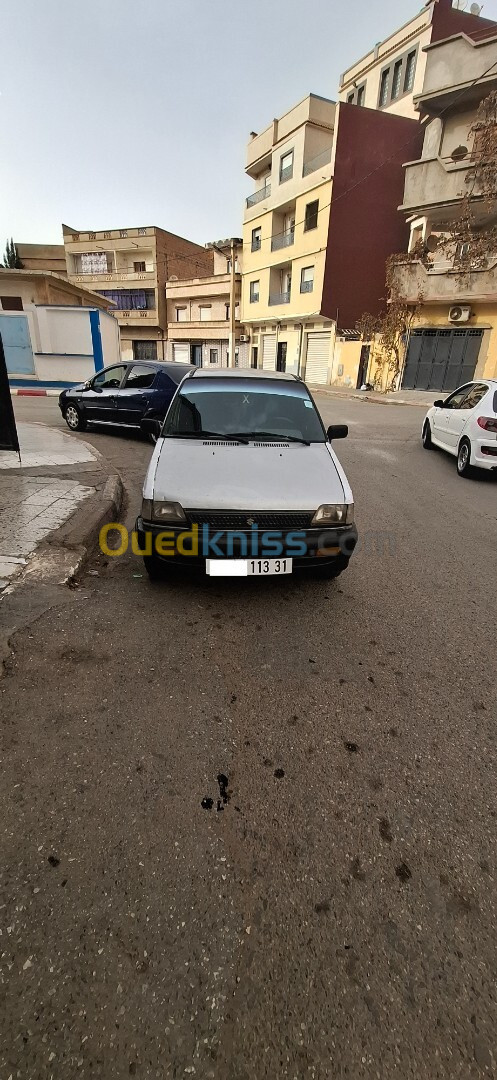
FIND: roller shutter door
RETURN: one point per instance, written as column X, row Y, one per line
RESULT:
column 269, row 352
column 181, row 352
column 318, row 355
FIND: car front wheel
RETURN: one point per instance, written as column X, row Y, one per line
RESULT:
column 73, row 418
column 426, row 437
column 464, row 466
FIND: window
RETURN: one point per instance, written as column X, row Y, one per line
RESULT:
column 131, row 299
column 140, row 378
column 361, row 94
column 475, row 395
column 139, row 267
column 92, row 262
column 145, row 350
column 181, row 314
column 229, row 406
column 311, row 215
column 307, row 279
column 213, row 356
column 227, row 310
column 254, row 292
column 396, row 81
column 11, row 303
column 350, row 98
column 455, row 401
column 123, row 233
column 286, row 166
column 409, row 73
column 256, row 239
column 255, row 356
column 385, row 75
column 110, row 379
column 142, row 232
column 205, row 312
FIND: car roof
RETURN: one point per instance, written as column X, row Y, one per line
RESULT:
column 243, row 373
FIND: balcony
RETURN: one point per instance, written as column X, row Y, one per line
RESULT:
column 258, row 196
column 441, row 283
column 136, row 315
column 430, row 182
column 306, row 286
column 282, row 240
column 458, row 70
column 275, row 299
column 317, row 162
column 114, row 276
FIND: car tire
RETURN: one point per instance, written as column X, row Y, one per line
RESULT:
column 464, row 466
column 426, row 436
column 155, row 567
column 74, row 419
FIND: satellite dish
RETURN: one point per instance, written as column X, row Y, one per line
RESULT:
column 432, row 242
column 475, row 9
column 459, row 153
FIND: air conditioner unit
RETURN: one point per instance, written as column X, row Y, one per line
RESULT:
column 459, row 314
column 244, row 338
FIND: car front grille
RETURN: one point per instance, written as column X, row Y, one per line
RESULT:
column 278, row 520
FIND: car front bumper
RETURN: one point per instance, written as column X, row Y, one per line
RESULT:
column 323, row 547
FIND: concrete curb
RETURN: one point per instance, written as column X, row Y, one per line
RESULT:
column 33, row 392
column 383, row 400
column 65, row 551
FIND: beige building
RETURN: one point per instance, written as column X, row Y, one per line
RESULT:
column 455, row 338
column 198, row 312
column 51, row 257
column 130, row 266
column 391, row 75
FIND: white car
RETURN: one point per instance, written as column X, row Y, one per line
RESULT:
column 465, row 424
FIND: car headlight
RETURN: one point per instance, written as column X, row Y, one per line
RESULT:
column 167, row 513
column 334, row 514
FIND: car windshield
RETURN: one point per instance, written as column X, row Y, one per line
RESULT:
column 252, row 409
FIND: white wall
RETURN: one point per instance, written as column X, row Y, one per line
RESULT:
column 62, row 343
column 67, row 331
column 109, row 329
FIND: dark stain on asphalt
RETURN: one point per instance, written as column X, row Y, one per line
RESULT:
column 459, row 905
column 393, row 732
column 322, row 907
column 371, row 680
column 352, row 747
column 367, row 708
column 224, row 795
column 207, row 803
column 342, row 681
column 403, row 872
column 484, row 866
column 267, row 762
column 279, row 773
column 293, row 720
column 385, row 831
column 356, row 869
column 53, row 860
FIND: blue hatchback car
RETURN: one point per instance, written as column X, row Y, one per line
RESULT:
column 122, row 394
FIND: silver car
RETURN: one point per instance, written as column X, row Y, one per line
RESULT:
column 243, row 481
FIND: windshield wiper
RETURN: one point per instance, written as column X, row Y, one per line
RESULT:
column 275, row 436
column 206, row 435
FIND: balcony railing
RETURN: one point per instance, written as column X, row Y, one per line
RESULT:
column 286, row 173
column 258, row 196
column 317, row 162
column 279, row 298
column 115, row 275
column 306, row 286
column 282, row 240
column 256, row 244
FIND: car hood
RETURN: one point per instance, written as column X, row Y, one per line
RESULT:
column 260, row 476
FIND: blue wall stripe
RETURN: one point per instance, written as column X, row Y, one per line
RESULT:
column 96, row 337
column 41, row 383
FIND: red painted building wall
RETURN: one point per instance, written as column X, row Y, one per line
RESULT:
column 365, row 225
column 447, row 21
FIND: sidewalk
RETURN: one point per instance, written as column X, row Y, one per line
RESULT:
column 51, row 505
column 422, row 398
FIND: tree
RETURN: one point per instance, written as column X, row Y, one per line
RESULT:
column 471, row 238
column 389, row 331
column 11, row 260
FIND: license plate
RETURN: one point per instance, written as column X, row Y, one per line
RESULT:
column 247, row 567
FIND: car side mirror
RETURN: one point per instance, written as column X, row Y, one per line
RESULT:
column 150, row 426
column 337, row 431
column 95, row 387
column 439, row 403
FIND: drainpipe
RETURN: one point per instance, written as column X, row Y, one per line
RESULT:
column 232, row 330
column 299, row 353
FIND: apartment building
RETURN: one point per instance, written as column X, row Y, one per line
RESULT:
column 199, row 320
column 456, row 335
column 130, row 266
column 391, row 75
column 317, row 230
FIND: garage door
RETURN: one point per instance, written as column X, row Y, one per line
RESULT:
column 318, row 355
column 269, row 351
column 440, row 359
column 181, row 352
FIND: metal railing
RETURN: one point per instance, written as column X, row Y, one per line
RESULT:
column 256, row 244
column 286, row 174
column 279, row 298
column 282, row 240
column 258, row 196
column 306, row 286
column 317, row 162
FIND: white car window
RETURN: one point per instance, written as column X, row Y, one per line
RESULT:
column 475, row 395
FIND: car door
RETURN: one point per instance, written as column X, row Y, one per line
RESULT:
column 137, row 393
column 101, row 400
column 441, row 418
column 459, row 416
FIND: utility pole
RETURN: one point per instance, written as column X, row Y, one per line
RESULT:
column 231, row 342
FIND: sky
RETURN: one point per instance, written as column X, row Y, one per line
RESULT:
column 119, row 113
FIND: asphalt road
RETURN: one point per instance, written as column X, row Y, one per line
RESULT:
column 337, row 916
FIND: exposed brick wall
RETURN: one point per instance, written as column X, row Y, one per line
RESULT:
column 181, row 258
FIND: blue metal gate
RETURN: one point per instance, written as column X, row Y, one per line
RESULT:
column 17, row 344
